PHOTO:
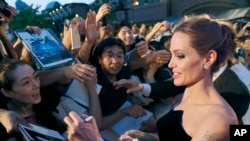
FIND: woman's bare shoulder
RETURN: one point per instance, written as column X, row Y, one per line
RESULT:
column 216, row 125
column 221, row 114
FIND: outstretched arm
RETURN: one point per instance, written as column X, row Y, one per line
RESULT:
column 161, row 57
column 242, row 30
column 154, row 90
column 102, row 12
column 158, row 27
column 62, row 75
column 92, row 34
column 90, row 81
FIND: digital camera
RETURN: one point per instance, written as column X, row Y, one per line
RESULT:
column 3, row 8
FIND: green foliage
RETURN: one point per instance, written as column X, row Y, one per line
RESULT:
column 31, row 16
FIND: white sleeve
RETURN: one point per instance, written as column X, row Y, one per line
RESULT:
column 146, row 89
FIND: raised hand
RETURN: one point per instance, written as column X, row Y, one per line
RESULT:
column 92, row 31
column 4, row 19
column 142, row 48
column 33, row 29
column 103, row 11
column 81, row 72
column 143, row 29
column 90, row 77
column 161, row 26
column 164, row 26
column 246, row 25
column 161, row 56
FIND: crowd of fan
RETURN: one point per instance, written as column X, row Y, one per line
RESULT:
column 109, row 56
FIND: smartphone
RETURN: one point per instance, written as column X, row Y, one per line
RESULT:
column 104, row 21
column 75, row 37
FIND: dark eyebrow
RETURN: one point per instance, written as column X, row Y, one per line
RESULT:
column 111, row 52
column 125, row 30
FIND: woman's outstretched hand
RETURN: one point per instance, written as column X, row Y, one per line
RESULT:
column 132, row 86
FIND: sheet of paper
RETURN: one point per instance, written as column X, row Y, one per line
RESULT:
column 78, row 92
column 128, row 123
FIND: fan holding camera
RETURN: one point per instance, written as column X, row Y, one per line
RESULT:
column 7, row 13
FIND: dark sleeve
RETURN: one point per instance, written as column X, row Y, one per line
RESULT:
column 234, row 91
column 50, row 99
column 162, row 74
column 165, row 89
column 239, row 102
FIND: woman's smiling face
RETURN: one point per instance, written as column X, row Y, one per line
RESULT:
column 186, row 63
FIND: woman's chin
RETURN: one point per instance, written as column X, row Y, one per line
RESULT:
column 176, row 83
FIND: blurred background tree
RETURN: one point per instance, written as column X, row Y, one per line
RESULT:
column 31, row 16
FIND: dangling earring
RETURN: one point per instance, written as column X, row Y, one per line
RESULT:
column 206, row 66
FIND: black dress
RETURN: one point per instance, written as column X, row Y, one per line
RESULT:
column 170, row 127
